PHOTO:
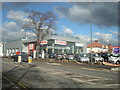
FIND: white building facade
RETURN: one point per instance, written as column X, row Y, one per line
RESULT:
column 1, row 49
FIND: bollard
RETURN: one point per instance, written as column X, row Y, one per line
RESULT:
column 19, row 58
column 29, row 59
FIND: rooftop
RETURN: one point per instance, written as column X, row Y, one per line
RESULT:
column 94, row 44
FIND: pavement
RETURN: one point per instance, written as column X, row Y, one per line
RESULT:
column 104, row 66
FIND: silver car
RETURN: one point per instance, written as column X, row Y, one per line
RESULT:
column 83, row 58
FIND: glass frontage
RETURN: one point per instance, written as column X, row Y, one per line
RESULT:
column 69, row 48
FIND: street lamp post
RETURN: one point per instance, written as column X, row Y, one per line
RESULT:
column 91, row 27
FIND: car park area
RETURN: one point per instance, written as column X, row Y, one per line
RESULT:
column 88, row 58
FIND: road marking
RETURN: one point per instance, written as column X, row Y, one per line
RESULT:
column 21, row 85
column 77, row 76
column 88, row 69
column 112, row 85
column 84, row 81
column 54, row 63
column 108, row 79
column 10, row 82
column 93, row 79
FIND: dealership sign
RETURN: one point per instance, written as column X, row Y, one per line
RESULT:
column 79, row 44
column 60, row 42
column 116, row 50
column 44, row 42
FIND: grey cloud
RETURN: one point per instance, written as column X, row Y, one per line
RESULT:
column 13, row 5
column 62, row 11
column 104, row 14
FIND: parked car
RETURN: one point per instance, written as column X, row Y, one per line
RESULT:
column 70, row 57
column 76, row 56
column 14, row 58
column 95, row 57
column 24, row 57
column 114, row 58
column 105, row 56
column 60, row 57
column 83, row 58
column 11, row 54
column 52, row 55
column 40, row 56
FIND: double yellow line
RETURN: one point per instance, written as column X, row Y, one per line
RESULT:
column 18, row 84
column 23, row 85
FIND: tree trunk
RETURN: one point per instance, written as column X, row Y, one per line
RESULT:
column 37, row 47
column 37, row 52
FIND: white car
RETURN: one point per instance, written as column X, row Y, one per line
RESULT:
column 97, row 58
column 114, row 58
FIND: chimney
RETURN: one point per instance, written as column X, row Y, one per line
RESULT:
column 96, row 40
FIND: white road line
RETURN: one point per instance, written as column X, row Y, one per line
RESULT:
column 53, row 63
column 10, row 82
column 84, row 81
column 96, row 77
column 93, row 80
column 112, row 85
column 88, row 69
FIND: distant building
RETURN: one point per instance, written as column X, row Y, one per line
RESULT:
column 96, row 47
column 1, row 49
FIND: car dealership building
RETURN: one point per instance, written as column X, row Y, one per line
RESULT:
column 52, row 43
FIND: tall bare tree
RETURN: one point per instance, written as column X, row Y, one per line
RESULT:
column 41, row 24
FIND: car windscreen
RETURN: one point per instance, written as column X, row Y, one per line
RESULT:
column 116, row 55
column 83, row 55
column 96, row 55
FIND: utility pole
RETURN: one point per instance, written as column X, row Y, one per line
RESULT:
column 91, row 26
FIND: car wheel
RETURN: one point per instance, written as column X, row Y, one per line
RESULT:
column 118, row 62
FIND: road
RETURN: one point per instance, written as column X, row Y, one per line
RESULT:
column 58, row 75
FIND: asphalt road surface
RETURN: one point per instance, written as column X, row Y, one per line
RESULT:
column 58, row 75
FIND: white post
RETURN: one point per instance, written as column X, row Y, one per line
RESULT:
column 34, row 54
column 19, row 58
column 43, row 54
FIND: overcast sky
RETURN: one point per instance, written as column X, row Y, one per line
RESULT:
column 73, row 19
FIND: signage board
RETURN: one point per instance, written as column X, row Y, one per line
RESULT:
column 44, row 42
column 60, row 42
column 116, row 50
column 79, row 44
column 31, row 46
